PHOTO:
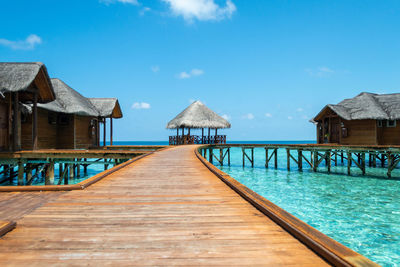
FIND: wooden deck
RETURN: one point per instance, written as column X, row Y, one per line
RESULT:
column 165, row 209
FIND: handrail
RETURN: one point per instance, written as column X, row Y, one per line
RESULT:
column 196, row 139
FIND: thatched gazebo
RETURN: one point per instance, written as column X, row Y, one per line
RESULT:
column 197, row 116
column 108, row 108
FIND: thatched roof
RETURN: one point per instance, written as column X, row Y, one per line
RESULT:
column 69, row 101
column 197, row 115
column 21, row 77
column 107, row 107
column 367, row 106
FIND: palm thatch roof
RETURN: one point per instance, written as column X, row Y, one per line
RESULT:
column 197, row 115
column 26, row 78
column 107, row 107
column 69, row 101
column 367, row 106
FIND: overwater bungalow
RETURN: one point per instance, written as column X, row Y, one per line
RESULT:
column 69, row 122
column 21, row 83
column 367, row 119
column 108, row 108
column 197, row 116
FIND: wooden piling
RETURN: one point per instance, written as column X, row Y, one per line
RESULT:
column 288, row 158
column 300, row 159
column 363, row 163
column 276, row 158
column 266, row 157
column 221, row 156
column 315, row 159
column 349, row 160
column 21, row 172
column 85, row 167
column 229, row 156
column 328, row 159
column 49, row 180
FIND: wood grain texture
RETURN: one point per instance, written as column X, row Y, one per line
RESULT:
column 166, row 209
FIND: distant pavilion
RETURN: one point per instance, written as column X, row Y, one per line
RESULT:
column 197, row 116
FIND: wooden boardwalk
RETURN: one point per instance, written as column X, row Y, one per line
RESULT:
column 165, row 209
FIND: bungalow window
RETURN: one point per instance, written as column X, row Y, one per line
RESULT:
column 52, row 119
column 391, row 123
column 381, row 123
column 63, row 119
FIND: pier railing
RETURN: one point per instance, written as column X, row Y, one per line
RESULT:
column 312, row 156
column 197, row 139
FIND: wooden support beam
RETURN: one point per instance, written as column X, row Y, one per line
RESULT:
column 288, row 158
column 328, row 159
column 49, row 180
column 71, row 171
column 276, row 158
column 363, row 163
column 85, row 166
column 300, row 159
column 315, row 160
column 389, row 164
column 111, row 131
column 244, row 155
column 229, row 156
column 28, row 172
column 104, row 132
column 210, row 155
column 221, row 156
column 266, row 157
column 21, row 172
column 394, row 164
column 349, row 160
column 34, row 122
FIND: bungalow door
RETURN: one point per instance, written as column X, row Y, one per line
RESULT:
column 335, row 130
column 3, row 126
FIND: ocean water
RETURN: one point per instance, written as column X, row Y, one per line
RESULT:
column 361, row 212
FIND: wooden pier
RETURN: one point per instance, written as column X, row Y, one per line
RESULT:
column 164, row 209
column 314, row 156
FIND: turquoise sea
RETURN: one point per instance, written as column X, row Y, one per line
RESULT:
column 361, row 212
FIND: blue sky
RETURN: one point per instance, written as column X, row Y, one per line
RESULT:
column 267, row 65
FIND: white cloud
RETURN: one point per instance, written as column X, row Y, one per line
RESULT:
column 300, row 110
column 140, row 105
column 29, row 43
column 155, row 69
column 192, row 73
column 320, row 72
column 202, row 10
column 132, row 2
column 248, row 116
column 184, row 75
column 268, row 115
column 144, row 10
column 226, row 117
column 290, row 118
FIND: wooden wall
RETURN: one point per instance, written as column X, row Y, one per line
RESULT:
column 83, row 139
column 389, row 135
column 74, row 135
column 47, row 133
column 360, row 132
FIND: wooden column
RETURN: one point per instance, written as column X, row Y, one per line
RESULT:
column 266, row 157
column 49, row 180
column 288, row 158
column 229, row 156
column 363, row 163
column 85, row 166
column 111, row 131
column 21, row 172
column 104, row 132
column 276, row 158
column 349, row 160
column 209, row 135
column 98, row 131
column 177, row 136
column 202, row 135
column 315, row 158
column 329, row 160
column 16, row 123
column 34, row 122
column 300, row 159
